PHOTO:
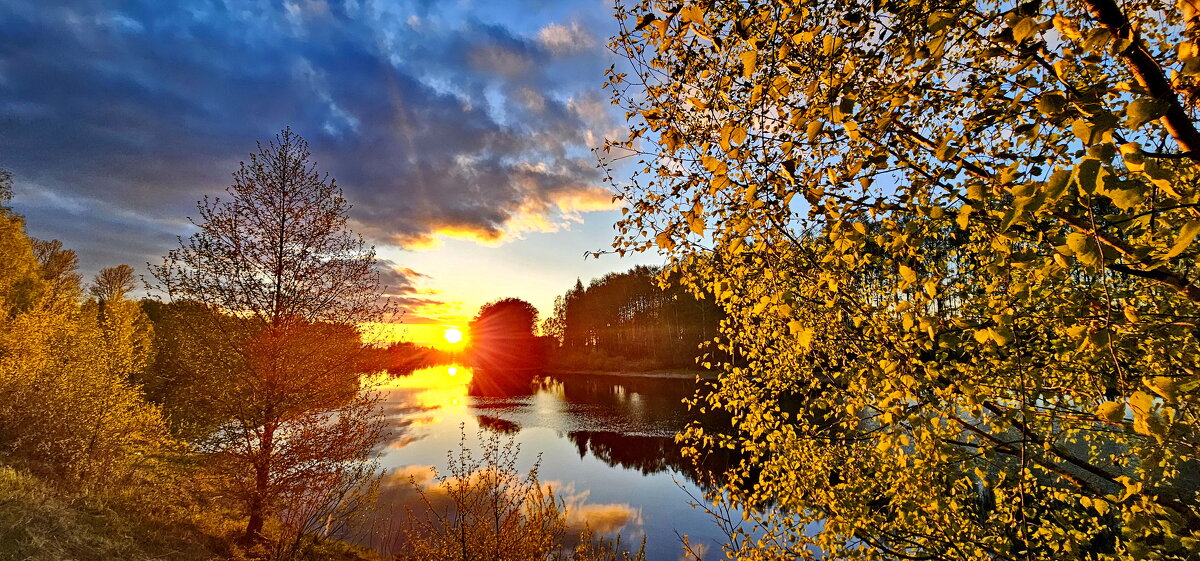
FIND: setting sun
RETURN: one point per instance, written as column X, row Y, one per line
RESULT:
column 453, row 335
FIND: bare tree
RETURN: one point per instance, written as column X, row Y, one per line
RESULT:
column 286, row 283
column 112, row 283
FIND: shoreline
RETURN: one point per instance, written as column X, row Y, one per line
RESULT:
column 668, row 374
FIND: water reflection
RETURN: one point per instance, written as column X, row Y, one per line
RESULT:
column 606, row 445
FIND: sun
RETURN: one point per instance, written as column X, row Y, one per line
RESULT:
column 453, row 335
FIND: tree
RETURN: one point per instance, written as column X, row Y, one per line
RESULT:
column 283, row 283
column 112, row 283
column 984, row 291
column 502, row 334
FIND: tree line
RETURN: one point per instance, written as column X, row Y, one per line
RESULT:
column 632, row 321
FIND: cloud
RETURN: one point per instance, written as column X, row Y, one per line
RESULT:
column 559, row 38
column 436, row 125
column 403, row 288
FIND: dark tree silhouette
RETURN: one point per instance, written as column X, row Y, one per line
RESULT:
column 112, row 283
column 504, row 347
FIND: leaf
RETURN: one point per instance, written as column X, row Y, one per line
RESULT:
column 1143, row 110
column 644, row 21
column 1052, row 103
column 738, row 134
column 1186, row 235
column 1024, row 29
column 803, row 334
column 663, row 239
column 749, row 63
column 1084, row 248
column 1111, row 411
column 692, row 14
column 1087, row 174
column 908, row 274
column 697, row 224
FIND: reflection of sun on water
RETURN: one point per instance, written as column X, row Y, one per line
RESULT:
column 439, row 387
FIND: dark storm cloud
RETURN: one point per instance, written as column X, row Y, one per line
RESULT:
column 130, row 111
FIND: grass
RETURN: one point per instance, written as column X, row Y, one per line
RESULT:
column 40, row 523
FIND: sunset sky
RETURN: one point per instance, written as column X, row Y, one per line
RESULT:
column 459, row 130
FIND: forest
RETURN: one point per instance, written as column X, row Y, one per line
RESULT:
column 940, row 257
column 630, row 322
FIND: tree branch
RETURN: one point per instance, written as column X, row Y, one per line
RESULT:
column 1149, row 75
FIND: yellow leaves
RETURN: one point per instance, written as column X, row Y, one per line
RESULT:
column 714, row 165
column 1025, row 29
column 908, row 274
column 1145, row 420
column 1088, row 173
column 964, row 217
column 814, row 129
column 1143, row 110
column 1164, row 386
column 1100, row 505
column 664, row 240
column 696, row 224
column 1067, row 27
column 803, row 334
column 733, row 134
column 692, row 14
column 1052, row 103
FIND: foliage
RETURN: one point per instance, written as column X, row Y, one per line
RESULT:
column 69, row 409
column 983, row 292
column 274, row 284
column 627, row 317
column 483, row 508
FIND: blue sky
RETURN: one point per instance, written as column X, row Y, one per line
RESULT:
column 460, row 130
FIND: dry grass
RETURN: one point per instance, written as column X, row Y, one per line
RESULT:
column 39, row 523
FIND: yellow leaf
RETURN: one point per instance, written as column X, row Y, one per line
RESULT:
column 697, row 225
column 749, row 63
column 1186, row 234
column 1111, row 411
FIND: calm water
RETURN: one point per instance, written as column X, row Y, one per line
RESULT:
column 606, row 444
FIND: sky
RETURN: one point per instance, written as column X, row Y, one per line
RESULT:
column 461, row 131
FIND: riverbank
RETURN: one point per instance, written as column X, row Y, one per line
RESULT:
column 669, row 374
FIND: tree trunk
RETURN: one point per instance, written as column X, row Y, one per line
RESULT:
column 258, row 501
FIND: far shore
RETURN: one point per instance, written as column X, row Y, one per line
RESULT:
column 675, row 374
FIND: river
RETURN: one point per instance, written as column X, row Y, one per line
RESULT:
column 605, row 442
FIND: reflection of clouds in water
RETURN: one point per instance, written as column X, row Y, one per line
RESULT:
column 399, row 500
column 602, row 518
column 399, row 420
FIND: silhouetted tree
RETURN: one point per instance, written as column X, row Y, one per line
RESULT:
column 112, row 283
column 282, row 283
column 502, row 333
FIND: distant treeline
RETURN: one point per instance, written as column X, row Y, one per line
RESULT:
column 403, row 357
column 625, row 321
